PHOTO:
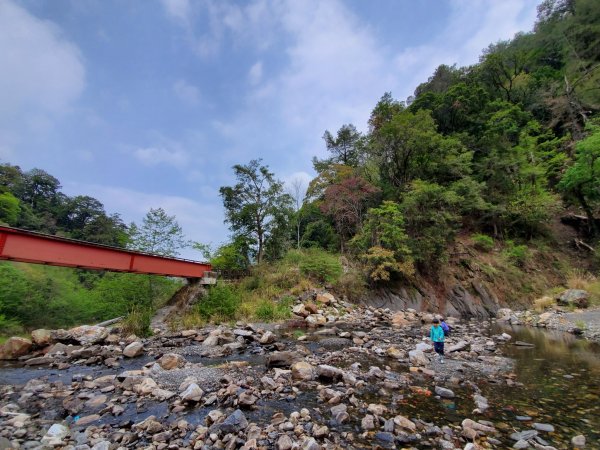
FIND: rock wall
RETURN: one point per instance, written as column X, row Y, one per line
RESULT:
column 460, row 299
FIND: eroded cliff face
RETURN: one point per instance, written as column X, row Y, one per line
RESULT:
column 459, row 299
column 473, row 283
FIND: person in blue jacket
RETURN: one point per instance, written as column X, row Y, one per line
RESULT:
column 437, row 337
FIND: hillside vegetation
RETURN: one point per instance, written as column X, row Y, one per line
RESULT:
column 463, row 184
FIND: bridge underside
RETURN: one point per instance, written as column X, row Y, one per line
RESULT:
column 30, row 247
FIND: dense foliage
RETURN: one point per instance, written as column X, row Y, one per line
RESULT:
column 495, row 149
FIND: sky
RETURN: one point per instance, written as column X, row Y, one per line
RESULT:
column 149, row 103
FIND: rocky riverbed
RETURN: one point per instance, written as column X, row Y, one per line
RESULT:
column 336, row 376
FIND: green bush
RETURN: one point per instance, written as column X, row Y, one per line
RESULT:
column 483, row 242
column 516, row 254
column 321, row 265
column 221, row 302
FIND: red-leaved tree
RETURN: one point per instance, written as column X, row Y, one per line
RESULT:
column 346, row 203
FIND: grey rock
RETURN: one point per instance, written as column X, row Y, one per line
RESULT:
column 574, row 297
column 443, row 392
column 234, row 423
column 524, row 435
column 544, row 427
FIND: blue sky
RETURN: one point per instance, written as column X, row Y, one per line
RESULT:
column 148, row 103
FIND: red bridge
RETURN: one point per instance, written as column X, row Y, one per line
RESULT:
column 37, row 248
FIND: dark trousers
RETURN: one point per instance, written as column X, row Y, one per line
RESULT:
column 439, row 348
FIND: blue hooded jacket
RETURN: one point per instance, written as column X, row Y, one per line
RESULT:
column 437, row 334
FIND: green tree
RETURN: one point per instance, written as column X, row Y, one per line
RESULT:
column 384, row 243
column 159, row 234
column 408, row 146
column 9, row 208
column 582, row 180
column 257, row 206
column 345, row 146
column 432, row 217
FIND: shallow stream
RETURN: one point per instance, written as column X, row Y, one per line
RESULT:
column 557, row 383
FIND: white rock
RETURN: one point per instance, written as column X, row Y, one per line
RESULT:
column 192, row 393
column 134, row 349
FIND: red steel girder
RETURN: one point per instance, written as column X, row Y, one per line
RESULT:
column 37, row 248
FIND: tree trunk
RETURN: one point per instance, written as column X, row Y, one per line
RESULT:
column 588, row 212
column 259, row 257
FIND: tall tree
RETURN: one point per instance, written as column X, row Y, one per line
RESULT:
column 297, row 191
column 344, row 148
column 346, row 203
column 257, row 205
column 159, row 233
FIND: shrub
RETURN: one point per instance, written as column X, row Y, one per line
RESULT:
column 483, row 242
column 516, row 254
column 321, row 265
column 221, row 301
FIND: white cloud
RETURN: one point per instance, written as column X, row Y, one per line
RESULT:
column 41, row 71
column 209, row 23
column 200, row 221
column 152, row 156
column 186, row 92
column 178, row 9
column 471, row 27
column 256, row 72
column 337, row 68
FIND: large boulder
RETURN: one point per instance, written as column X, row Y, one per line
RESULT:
column 192, row 393
column 88, row 334
column 300, row 310
column 134, row 349
column 329, row 372
column 303, row 371
column 418, row 358
column 171, row 361
column 41, row 337
column 504, row 314
column 574, row 297
column 15, row 347
column 326, row 298
column 315, row 320
column 282, row 359
column 399, row 319
column 234, row 423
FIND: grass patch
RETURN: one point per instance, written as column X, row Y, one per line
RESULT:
column 580, row 324
column 543, row 303
column 138, row 321
column 298, row 333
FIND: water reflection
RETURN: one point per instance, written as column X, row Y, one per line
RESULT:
column 561, row 385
